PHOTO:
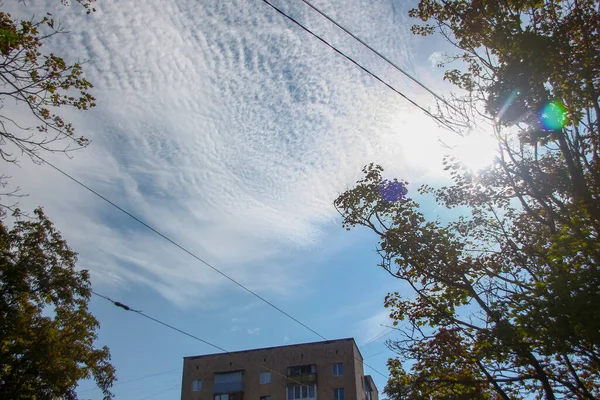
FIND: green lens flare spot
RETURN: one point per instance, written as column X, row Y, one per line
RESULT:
column 553, row 116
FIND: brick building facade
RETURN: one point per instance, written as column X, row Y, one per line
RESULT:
column 331, row 370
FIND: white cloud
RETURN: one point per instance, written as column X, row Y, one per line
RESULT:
column 228, row 129
column 435, row 58
column 254, row 331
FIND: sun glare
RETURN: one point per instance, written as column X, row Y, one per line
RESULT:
column 476, row 151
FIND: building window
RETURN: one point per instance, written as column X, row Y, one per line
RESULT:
column 265, row 397
column 302, row 370
column 225, row 396
column 196, row 385
column 368, row 388
column 265, row 377
column 338, row 369
column 229, row 382
column 338, row 394
column 301, row 392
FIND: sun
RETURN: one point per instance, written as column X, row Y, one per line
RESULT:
column 476, row 150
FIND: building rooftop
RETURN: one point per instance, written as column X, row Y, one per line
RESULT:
column 276, row 347
column 371, row 382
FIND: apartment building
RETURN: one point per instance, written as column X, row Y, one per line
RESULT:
column 331, row 370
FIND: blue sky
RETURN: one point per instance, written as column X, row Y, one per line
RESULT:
column 232, row 131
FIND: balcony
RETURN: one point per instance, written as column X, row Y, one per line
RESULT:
column 229, row 396
column 229, row 382
column 301, row 375
column 229, row 387
column 301, row 380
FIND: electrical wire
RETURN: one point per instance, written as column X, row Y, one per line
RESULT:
column 390, row 62
column 33, row 154
column 376, row 354
column 162, row 391
column 414, row 103
column 375, row 338
column 173, row 242
column 127, row 308
column 134, row 379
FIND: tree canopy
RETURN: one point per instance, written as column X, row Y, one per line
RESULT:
column 504, row 301
column 38, row 83
column 47, row 333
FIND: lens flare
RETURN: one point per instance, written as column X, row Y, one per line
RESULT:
column 392, row 191
column 507, row 103
column 553, row 116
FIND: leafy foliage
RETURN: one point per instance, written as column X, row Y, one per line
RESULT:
column 503, row 302
column 500, row 308
column 37, row 83
column 47, row 333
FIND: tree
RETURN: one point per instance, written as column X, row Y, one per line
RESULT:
column 493, row 312
column 34, row 84
column 504, row 302
column 47, row 333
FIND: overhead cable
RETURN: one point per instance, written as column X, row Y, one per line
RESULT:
column 174, row 243
column 353, row 61
column 390, row 62
column 161, row 392
column 375, row 338
column 134, row 379
column 162, row 235
column 127, row 308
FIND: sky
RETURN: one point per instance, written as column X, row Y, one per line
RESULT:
column 232, row 131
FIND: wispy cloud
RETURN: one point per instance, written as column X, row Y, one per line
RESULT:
column 228, row 129
column 435, row 58
column 254, row 331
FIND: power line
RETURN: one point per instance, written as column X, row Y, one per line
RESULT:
column 162, row 391
column 414, row 103
column 127, row 308
column 139, row 378
column 148, row 376
column 173, row 242
column 376, row 354
column 390, row 62
column 375, row 338
column 188, row 252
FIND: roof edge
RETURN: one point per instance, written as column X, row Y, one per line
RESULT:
column 372, row 382
column 273, row 347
